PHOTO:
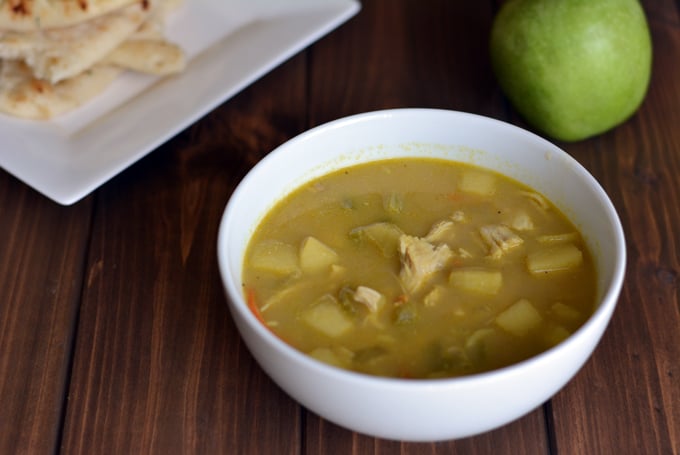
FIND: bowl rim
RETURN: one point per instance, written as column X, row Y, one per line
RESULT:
column 597, row 321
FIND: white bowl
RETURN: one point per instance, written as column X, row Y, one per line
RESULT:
column 429, row 409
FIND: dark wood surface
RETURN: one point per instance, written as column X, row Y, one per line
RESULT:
column 114, row 333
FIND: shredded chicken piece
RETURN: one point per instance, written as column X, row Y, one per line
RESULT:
column 458, row 216
column 464, row 254
column 500, row 239
column 369, row 297
column 441, row 232
column 419, row 260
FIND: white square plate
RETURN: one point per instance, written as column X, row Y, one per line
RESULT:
column 229, row 44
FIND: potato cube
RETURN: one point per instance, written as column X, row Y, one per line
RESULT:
column 483, row 281
column 479, row 183
column 327, row 316
column 553, row 259
column 275, row 257
column 316, row 256
column 519, row 318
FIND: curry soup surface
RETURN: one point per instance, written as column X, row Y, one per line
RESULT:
column 418, row 268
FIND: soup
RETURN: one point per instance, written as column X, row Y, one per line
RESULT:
column 418, row 268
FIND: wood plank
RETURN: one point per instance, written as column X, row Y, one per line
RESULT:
column 527, row 433
column 159, row 366
column 41, row 264
column 627, row 399
column 403, row 54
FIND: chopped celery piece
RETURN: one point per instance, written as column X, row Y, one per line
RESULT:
column 346, row 300
column 275, row 257
column 446, row 359
column 316, row 256
column 519, row 318
column 553, row 259
column 327, row 316
column 383, row 235
column 405, row 314
column 478, row 183
column 483, row 281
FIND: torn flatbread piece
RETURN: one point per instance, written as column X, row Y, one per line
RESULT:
column 33, row 15
column 23, row 95
column 48, row 71
column 58, row 54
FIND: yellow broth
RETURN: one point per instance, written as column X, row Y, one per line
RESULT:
column 418, row 268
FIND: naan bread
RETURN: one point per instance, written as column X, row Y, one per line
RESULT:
column 22, row 95
column 154, row 27
column 45, row 72
column 58, row 54
column 32, row 15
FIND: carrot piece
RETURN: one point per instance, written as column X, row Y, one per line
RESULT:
column 457, row 262
column 404, row 373
column 252, row 305
column 455, row 197
column 401, row 299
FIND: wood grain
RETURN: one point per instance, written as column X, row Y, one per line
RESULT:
column 41, row 260
column 627, row 398
column 114, row 332
column 404, row 57
column 159, row 366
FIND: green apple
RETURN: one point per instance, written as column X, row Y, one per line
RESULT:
column 572, row 68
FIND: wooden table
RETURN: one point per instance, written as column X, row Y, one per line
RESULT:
column 114, row 333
